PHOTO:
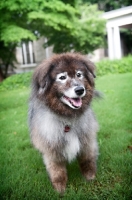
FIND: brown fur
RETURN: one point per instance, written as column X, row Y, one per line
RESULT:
column 69, row 62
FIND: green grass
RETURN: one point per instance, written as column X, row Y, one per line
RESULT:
column 22, row 173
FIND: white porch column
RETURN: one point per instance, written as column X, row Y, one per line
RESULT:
column 46, row 49
column 110, row 42
column 117, row 42
column 30, row 46
column 24, row 53
column 19, row 55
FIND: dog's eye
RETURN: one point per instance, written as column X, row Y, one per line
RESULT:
column 62, row 77
column 79, row 74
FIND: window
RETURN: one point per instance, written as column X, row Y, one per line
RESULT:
column 28, row 52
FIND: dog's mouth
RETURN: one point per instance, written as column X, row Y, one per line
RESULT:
column 74, row 103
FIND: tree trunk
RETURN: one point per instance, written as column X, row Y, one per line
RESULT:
column 6, row 69
column 1, row 75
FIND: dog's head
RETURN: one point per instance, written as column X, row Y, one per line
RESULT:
column 65, row 83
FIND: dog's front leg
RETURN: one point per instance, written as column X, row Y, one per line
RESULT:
column 88, row 167
column 58, row 175
column 87, row 161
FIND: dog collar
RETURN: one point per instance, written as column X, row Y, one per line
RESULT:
column 67, row 128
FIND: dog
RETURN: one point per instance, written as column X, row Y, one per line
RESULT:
column 62, row 125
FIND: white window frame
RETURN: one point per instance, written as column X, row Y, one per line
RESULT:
column 28, row 53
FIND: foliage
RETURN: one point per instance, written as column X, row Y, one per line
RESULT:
column 106, row 5
column 16, row 81
column 22, row 172
column 106, row 66
column 7, row 57
column 103, row 67
column 67, row 26
column 14, row 34
column 86, row 34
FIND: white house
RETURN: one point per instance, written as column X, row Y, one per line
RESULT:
column 31, row 54
column 117, row 19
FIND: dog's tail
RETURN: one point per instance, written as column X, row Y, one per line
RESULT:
column 98, row 94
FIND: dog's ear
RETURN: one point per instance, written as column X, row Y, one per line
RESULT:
column 90, row 67
column 41, row 78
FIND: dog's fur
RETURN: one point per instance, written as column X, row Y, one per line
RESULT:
column 61, row 121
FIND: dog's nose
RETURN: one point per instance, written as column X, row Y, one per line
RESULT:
column 79, row 90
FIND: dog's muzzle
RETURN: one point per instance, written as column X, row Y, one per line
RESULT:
column 73, row 97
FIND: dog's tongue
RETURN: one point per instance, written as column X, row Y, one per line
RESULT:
column 77, row 102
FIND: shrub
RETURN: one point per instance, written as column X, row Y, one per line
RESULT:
column 123, row 65
column 104, row 67
column 16, row 81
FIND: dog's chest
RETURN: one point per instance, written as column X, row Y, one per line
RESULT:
column 72, row 146
column 61, row 131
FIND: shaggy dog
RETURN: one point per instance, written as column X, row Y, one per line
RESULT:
column 62, row 124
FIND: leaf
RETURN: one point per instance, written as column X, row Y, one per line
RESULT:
column 15, row 34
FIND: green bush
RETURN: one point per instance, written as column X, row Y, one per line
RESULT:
column 106, row 66
column 16, row 81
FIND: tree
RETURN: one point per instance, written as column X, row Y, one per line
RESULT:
column 86, row 34
column 67, row 26
column 108, row 5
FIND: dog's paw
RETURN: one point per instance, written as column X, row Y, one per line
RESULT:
column 89, row 176
column 59, row 187
column 88, row 169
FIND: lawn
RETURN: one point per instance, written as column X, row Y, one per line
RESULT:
column 22, row 173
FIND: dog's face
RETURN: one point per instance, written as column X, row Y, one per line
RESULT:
column 72, row 88
column 65, row 83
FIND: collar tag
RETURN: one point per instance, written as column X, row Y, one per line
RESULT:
column 67, row 128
